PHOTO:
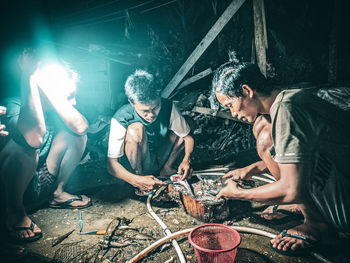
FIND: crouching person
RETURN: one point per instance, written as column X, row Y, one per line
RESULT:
column 47, row 142
column 308, row 154
column 147, row 136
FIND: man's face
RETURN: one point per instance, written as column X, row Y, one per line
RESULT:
column 148, row 112
column 242, row 108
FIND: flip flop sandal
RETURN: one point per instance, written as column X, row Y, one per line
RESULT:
column 68, row 204
column 289, row 216
column 312, row 244
column 36, row 236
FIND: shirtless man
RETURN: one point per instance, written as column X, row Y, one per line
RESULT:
column 262, row 133
column 310, row 146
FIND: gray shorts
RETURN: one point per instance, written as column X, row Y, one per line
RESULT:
column 330, row 190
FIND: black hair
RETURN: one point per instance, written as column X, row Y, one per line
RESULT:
column 141, row 87
column 231, row 76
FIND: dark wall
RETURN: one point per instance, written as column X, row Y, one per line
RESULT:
column 160, row 38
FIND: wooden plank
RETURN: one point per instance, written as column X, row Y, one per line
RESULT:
column 221, row 114
column 191, row 80
column 202, row 46
column 260, row 46
column 195, row 78
column 333, row 43
column 264, row 24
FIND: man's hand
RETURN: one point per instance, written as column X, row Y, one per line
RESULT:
column 184, row 169
column 239, row 174
column 2, row 127
column 230, row 191
column 147, row 182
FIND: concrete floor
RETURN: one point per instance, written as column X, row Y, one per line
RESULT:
column 111, row 200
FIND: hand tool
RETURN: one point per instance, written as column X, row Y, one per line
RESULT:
column 96, row 232
column 61, row 238
column 80, row 221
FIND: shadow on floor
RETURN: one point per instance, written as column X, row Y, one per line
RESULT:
column 248, row 255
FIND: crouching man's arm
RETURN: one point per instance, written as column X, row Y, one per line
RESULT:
column 143, row 182
column 287, row 190
column 185, row 168
column 116, row 147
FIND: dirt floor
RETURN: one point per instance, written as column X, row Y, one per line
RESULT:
column 116, row 200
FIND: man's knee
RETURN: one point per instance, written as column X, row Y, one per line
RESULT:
column 72, row 140
column 136, row 133
column 16, row 151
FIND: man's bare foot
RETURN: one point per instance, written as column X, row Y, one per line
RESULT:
column 274, row 212
column 303, row 236
column 66, row 200
column 21, row 227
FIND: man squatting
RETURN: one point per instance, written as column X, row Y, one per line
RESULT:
column 303, row 141
column 147, row 136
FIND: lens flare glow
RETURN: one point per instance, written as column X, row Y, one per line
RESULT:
column 56, row 80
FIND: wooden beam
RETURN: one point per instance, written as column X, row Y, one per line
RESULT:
column 195, row 78
column 191, row 80
column 203, row 45
column 333, row 43
column 260, row 37
column 221, row 114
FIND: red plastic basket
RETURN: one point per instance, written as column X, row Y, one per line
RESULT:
column 214, row 243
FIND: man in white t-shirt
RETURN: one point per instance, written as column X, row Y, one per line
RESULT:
column 147, row 136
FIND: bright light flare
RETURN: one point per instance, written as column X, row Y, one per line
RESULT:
column 56, row 80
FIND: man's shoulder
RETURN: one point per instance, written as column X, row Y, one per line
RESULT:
column 124, row 115
column 125, row 109
column 291, row 98
column 167, row 101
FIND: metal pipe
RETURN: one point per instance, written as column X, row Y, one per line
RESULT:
column 165, row 229
column 186, row 231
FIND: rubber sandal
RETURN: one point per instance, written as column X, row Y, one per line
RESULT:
column 17, row 239
column 289, row 216
column 310, row 245
column 68, row 204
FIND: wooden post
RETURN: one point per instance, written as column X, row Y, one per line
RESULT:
column 221, row 114
column 203, row 45
column 195, row 78
column 260, row 34
column 333, row 44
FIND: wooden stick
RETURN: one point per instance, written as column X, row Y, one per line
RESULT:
column 210, row 170
column 260, row 47
column 195, row 78
column 202, row 46
column 220, row 114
